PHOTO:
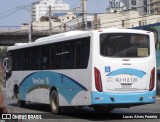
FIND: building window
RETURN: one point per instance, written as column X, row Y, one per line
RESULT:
column 117, row 5
column 133, row 2
column 145, row 9
column 134, row 8
column 140, row 23
column 89, row 24
column 145, row 2
column 67, row 17
column 122, row 23
column 152, row 11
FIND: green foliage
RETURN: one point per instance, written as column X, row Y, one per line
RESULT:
column 3, row 53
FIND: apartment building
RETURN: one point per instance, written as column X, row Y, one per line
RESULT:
column 154, row 6
column 126, row 19
column 116, row 6
column 142, row 6
column 41, row 8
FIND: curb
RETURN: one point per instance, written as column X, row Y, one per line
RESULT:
column 158, row 98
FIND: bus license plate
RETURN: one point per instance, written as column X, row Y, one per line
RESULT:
column 126, row 86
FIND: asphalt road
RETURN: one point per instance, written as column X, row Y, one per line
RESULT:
column 84, row 114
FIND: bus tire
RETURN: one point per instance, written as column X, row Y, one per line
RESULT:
column 54, row 102
column 20, row 103
column 103, row 109
column 16, row 91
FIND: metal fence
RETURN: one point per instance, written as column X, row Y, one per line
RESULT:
column 9, row 28
column 34, row 29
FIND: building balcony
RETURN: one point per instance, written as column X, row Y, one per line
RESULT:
column 154, row 1
column 155, row 7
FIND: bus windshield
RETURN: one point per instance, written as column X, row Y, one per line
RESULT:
column 124, row 45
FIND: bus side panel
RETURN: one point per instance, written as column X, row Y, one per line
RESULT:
column 74, row 89
column 10, row 86
column 81, row 88
column 15, row 79
column 73, row 85
column 35, row 87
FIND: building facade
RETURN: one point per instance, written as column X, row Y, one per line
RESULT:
column 116, row 6
column 142, row 6
column 154, row 6
column 41, row 8
column 126, row 19
column 135, row 4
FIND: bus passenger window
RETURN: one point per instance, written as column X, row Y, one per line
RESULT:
column 35, row 59
column 45, row 57
column 78, row 55
column 82, row 50
column 56, row 56
column 53, row 55
column 26, row 59
column 68, row 56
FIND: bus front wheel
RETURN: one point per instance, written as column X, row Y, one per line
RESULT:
column 20, row 103
column 54, row 102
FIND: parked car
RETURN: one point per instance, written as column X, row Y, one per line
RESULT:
column 158, row 75
column 158, row 81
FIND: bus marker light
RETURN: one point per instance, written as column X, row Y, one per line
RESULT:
column 100, row 30
column 99, row 98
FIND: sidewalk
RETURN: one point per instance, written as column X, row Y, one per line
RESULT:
column 158, row 98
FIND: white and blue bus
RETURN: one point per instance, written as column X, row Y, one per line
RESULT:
column 103, row 69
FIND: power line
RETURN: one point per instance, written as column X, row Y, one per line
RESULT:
column 14, row 9
column 62, row 25
column 124, row 13
column 5, row 16
column 7, row 11
column 113, row 23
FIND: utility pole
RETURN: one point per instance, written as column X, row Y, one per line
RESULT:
column 29, row 10
column 30, row 26
column 95, row 21
column 50, row 24
column 84, row 15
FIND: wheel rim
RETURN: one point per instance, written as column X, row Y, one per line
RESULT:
column 54, row 105
column 17, row 96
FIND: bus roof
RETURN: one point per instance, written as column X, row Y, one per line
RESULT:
column 69, row 35
column 51, row 39
column 61, row 35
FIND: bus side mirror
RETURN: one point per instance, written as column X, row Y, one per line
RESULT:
column 6, row 65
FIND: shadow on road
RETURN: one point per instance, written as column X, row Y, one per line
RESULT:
column 69, row 113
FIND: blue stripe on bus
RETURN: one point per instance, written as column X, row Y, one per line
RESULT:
column 128, row 71
column 26, row 78
column 123, row 98
column 65, row 85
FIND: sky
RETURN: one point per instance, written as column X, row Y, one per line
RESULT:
column 10, row 16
